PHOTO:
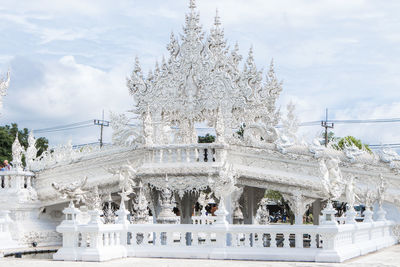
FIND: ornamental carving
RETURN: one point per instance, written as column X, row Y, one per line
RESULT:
column 4, row 83
column 201, row 81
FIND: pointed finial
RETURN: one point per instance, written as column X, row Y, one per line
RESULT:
column 217, row 19
column 137, row 65
column 192, row 4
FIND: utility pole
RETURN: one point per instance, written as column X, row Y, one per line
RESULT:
column 102, row 124
column 326, row 125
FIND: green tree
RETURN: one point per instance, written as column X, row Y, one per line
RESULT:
column 342, row 142
column 7, row 137
column 206, row 139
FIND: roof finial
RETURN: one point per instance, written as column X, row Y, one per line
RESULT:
column 192, row 4
column 217, row 21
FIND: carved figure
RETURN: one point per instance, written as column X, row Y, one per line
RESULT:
column 73, row 191
column 92, row 199
column 350, row 194
column 381, row 191
column 262, row 215
column 332, row 180
column 200, row 78
column 123, row 134
column 4, row 83
column 126, row 176
column 31, row 151
column 17, row 151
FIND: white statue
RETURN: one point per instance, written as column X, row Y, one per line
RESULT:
column 262, row 215
column 140, row 205
column 123, row 134
column 288, row 134
column 352, row 152
column 350, row 194
column 17, row 152
column 126, row 176
column 381, row 191
column 92, row 199
column 332, row 180
column 31, row 151
column 148, row 128
column 73, row 191
column 4, row 83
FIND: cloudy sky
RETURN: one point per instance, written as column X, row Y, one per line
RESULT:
column 70, row 58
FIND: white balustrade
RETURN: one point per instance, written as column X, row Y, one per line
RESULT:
column 13, row 180
column 97, row 242
column 197, row 153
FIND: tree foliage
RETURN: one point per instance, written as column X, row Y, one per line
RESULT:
column 7, row 137
column 342, row 142
column 206, row 139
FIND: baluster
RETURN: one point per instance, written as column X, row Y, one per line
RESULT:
column 105, row 239
column 286, row 241
column 155, row 237
column 200, row 154
column 160, row 154
column 187, row 154
column 195, row 239
column 145, row 238
column 273, row 240
column 313, row 240
column 257, row 241
column 207, row 239
column 299, row 240
column 179, row 155
column 182, row 239
column 251, row 240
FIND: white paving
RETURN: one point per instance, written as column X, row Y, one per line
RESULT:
column 384, row 258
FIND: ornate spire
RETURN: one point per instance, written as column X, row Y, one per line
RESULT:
column 217, row 19
column 192, row 4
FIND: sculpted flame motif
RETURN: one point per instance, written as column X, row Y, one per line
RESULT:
column 4, row 83
column 332, row 180
column 200, row 78
column 72, row 191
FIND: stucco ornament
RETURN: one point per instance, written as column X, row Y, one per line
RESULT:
column 200, row 78
column 288, row 133
column 351, row 196
column 332, row 179
column 262, row 215
column 298, row 203
column 140, row 205
column 124, row 134
column 108, row 211
column 352, row 152
column 92, row 199
column 166, row 215
column 31, row 151
column 316, row 148
column 17, row 152
column 381, row 191
column 126, row 176
column 73, row 191
column 4, row 83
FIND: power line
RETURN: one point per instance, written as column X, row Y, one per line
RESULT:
column 102, row 124
column 63, row 126
column 64, row 129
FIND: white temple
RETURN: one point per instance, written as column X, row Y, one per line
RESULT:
column 119, row 201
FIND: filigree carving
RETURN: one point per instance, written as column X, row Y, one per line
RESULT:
column 73, row 191
column 17, row 152
column 4, row 83
column 31, row 151
column 201, row 80
column 124, row 134
column 332, row 180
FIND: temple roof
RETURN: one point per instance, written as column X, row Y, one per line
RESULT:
column 202, row 75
